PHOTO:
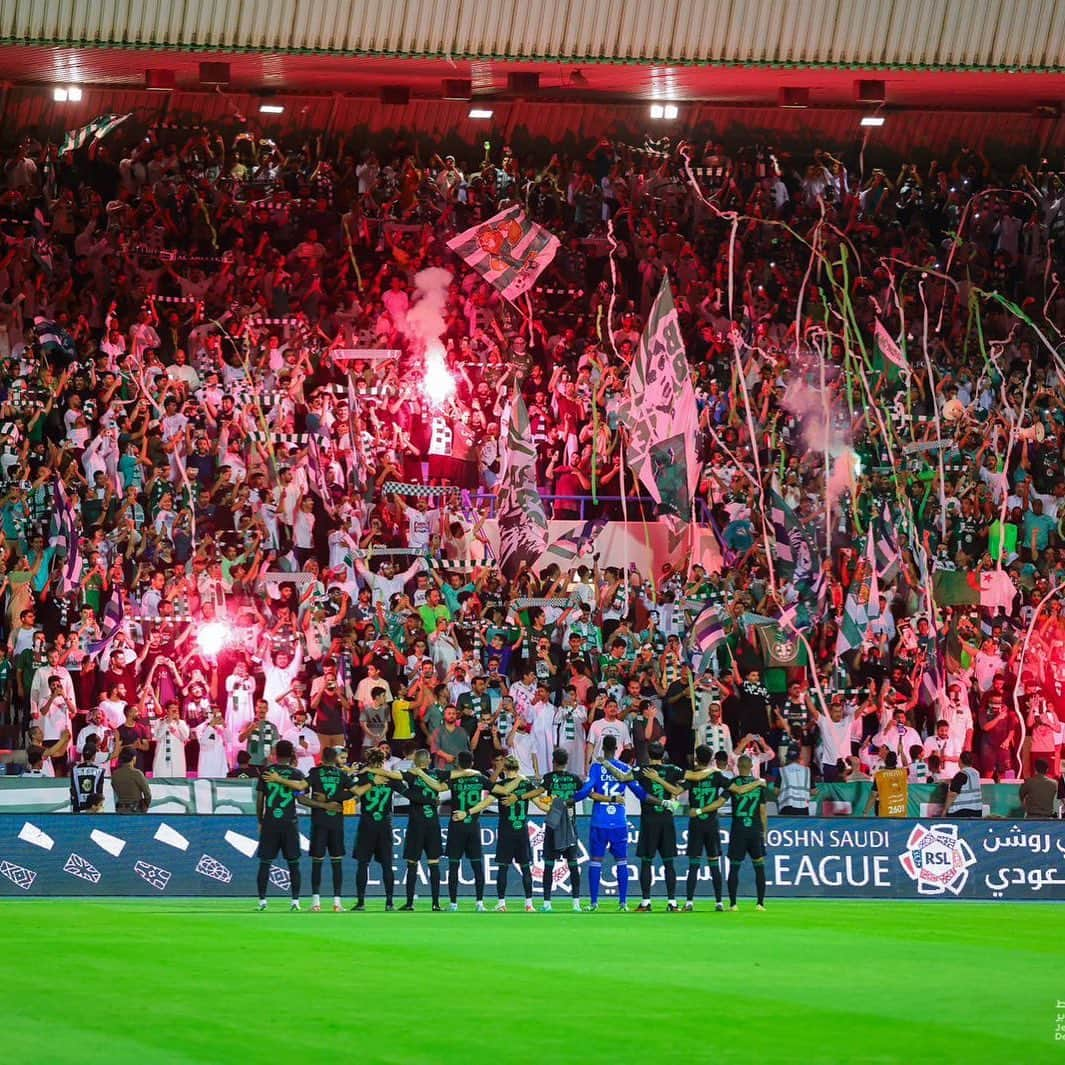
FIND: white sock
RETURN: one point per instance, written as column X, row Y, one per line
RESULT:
column 336, row 900
column 316, row 900
column 672, row 902
column 645, row 902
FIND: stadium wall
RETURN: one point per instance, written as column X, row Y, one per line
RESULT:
column 213, row 857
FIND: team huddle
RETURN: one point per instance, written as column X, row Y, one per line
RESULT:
column 332, row 788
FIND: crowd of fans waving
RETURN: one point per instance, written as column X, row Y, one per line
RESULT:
column 177, row 313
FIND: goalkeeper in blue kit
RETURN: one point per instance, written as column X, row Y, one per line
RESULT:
column 609, row 828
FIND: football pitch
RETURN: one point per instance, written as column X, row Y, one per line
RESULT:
column 807, row 981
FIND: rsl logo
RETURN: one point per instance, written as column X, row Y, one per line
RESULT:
column 937, row 859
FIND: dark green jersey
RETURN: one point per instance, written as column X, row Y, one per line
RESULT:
column 377, row 802
column 423, row 800
column 746, row 808
column 562, row 785
column 706, row 791
column 472, row 705
column 280, row 802
column 672, row 774
column 515, row 818
column 329, row 783
column 467, row 792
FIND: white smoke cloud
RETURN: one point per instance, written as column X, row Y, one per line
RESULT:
column 425, row 322
column 814, row 412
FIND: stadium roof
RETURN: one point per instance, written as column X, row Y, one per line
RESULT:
column 996, row 54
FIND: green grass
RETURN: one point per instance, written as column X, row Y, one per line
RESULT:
column 806, row 982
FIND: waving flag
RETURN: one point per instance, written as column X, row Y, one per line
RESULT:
column 520, row 511
column 794, row 556
column 65, row 533
column 114, row 616
column 660, row 414
column 508, row 250
column 862, row 602
column 888, row 348
column 315, row 467
column 95, row 130
column 574, row 542
column 708, row 629
column 54, row 340
column 886, row 541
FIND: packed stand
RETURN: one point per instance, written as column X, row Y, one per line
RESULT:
column 179, row 316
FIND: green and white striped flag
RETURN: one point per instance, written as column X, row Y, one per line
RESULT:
column 509, row 250
column 95, row 130
column 862, row 601
column 660, row 412
column 520, row 511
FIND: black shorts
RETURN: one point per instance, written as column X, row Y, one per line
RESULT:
column 513, row 846
column 328, row 838
column 704, row 837
column 464, row 841
column 552, row 853
column 373, row 841
column 279, row 836
column 423, row 837
column 745, row 842
column 658, row 835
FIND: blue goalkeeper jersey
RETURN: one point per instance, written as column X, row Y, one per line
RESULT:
column 608, row 814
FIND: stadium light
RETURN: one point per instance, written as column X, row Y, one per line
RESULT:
column 480, row 112
column 872, row 120
column 666, row 111
column 64, row 93
column 271, row 109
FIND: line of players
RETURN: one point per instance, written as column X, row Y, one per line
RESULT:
column 657, row 785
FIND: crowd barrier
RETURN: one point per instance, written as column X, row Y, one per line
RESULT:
column 210, row 857
column 39, row 795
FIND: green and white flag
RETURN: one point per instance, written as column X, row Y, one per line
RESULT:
column 889, row 348
column 862, row 601
column 519, row 509
column 509, row 250
column 781, row 648
column 95, row 130
column 660, row 414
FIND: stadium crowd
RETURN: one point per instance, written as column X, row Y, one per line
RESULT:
column 213, row 543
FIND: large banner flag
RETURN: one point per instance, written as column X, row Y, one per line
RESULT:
column 508, row 250
column 113, row 618
column 95, row 130
column 519, row 510
column 660, row 414
column 862, row 601
column 65, row 534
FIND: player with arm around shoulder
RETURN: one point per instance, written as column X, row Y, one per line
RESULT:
column 750, row 822
column 609, row 828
